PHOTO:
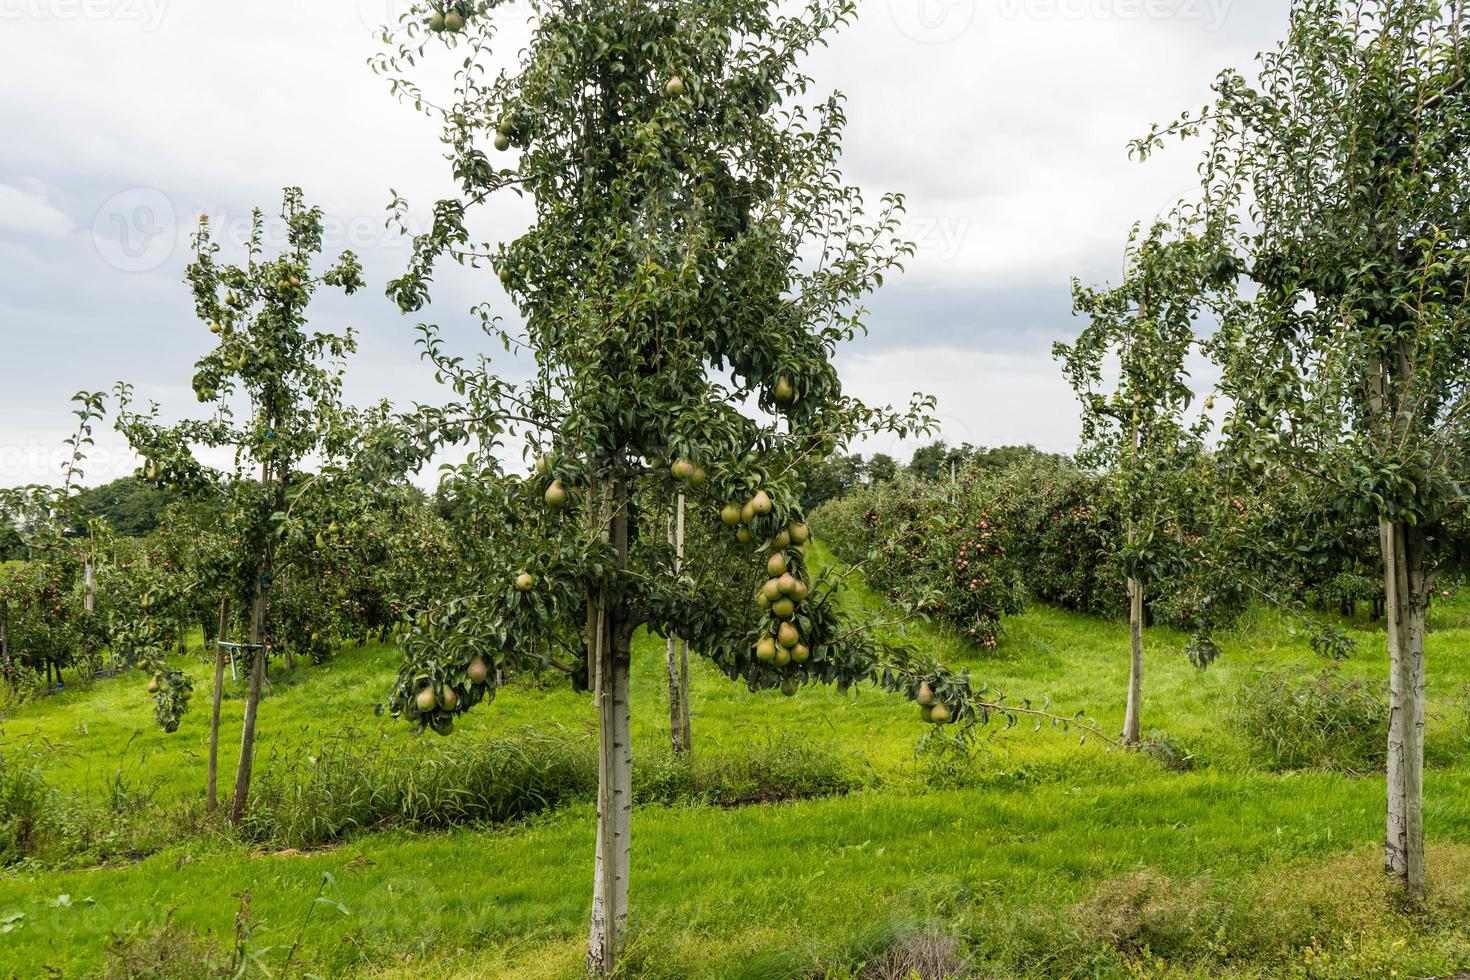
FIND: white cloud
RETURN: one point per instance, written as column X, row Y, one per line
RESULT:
column 983, row 399
column 1005, row 124
column 26, row 213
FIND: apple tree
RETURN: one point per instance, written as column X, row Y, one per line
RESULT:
column 45, row 605
column 693, row 262
column 1335, row 184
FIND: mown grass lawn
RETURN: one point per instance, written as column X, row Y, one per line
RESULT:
column 1003, row 859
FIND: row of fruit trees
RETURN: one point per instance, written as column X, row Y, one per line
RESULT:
column 694, row 264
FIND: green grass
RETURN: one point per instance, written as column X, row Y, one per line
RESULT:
column 997, row 855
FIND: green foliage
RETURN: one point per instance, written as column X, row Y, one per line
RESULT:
column 1066, row 533
column 1168, row 752
column 24, row 810
column 831, row 478
column 152, row 591
column 127, row 506
column 945, row 550
column 882, row 468
column 1041, row 522
column 291, row 384
column 12, row 545
column 937, row 461
column 363, row 570
column 42, row 825
column 353, row 783
column 1322, row 721
column 1335, row 184
column 45, row 616
column 1138, row 434
column 166, row 953
column 37, row 598
column 694, row 254
column 265, row 518
column 781, row 770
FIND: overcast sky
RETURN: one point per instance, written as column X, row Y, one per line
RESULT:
column 1005, row 122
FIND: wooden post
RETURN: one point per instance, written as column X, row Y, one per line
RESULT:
column 219, row 683
column 89, row 582
column 678, row 667
column 688, row 735
column 252, row 700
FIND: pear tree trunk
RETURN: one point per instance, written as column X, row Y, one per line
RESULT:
column 1131, row 720
column 609, row 636
column 1406, row 596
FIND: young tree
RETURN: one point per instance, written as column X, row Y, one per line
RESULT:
column 264, row 355
column 44, row 619
column 694, row 256
column 1137, row 436
column 1336, row 184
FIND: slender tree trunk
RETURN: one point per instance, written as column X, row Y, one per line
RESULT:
column 7, row 669
column 609, row 647
column 1406, row 604
column 1131, row 720
column 678, row 672
column 252, row 700
column 219, row 685
column 89, row 583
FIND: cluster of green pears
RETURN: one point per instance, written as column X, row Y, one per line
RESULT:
column 782, row 594
column 447, row 20
column 931, row 709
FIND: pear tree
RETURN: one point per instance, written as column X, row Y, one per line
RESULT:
column 1334, row 185
column 286, row 382
column 694, row 261
column 1129, row 369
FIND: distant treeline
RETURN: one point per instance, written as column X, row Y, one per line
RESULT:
column 839, row 475
column 129, row 507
